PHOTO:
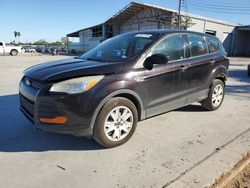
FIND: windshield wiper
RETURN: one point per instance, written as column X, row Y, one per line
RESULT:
column 95, row 59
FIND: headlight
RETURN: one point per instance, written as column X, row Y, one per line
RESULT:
column 76, row 85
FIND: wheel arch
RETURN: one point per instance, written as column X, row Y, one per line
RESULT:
column 126, row 93
column 220, row 73
column 13, row 50
column 221, row 77
column 134, row 100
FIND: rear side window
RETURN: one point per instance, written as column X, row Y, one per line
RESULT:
column 197, row 45
column 172, row 47
column 213, row 44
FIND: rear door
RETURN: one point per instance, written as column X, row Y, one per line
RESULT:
column 201, row 64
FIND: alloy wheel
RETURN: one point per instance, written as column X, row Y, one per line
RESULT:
column 217, row 95
column 118, row 123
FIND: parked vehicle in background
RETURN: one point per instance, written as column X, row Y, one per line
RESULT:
column 12, row 50
column 125, row 79
column 40, row 48
column 29, row 48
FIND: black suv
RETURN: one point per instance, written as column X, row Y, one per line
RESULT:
column 125, row 79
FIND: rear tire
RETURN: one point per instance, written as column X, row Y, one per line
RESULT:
column 215, row 96
column 13, row 52
column 116, row 122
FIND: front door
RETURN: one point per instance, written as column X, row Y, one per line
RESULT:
column 1, row 48
column 162, row 80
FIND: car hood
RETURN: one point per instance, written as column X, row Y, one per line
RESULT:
column 70, row 68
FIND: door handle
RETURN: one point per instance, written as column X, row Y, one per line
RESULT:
column 183, row 67
column 212, row 61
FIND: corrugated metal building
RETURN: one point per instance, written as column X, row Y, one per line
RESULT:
column 241, row 41
column 137, row 16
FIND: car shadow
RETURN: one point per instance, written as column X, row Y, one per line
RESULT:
column 191, row 108
column 18, row 135
column 239, row 75
column 239, row 89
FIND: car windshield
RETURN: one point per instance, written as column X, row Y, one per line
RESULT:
column 120, row 48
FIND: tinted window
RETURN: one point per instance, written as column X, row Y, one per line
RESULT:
column 172, row 47
column 1, row 44
column 213, row 44
column 197, row 45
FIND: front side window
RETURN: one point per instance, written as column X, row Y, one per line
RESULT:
column 1, row 44
column 213, row 44
column 197, row 45
column 172, row 47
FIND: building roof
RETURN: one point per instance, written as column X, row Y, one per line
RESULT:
column 145, row 5
column 133, row 8
column 243, row 27
column 76, row 33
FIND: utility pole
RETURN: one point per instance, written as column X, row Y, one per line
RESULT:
column 179, row 15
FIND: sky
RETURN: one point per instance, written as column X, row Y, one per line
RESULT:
column 53, row 19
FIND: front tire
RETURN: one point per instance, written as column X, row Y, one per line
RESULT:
column 116, row 122
column 215, row 96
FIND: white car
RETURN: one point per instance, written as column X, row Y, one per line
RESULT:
column 12, row 50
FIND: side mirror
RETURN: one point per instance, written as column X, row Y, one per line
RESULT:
column 155, row 59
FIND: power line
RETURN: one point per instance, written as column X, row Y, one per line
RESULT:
column 220, row 6
column 220, row 10
column 218, row 3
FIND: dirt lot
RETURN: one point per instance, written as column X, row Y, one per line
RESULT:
column 237, row 177
column 188, row 147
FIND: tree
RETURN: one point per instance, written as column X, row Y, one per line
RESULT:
column 41, row 42
column 17, row 34
column 64, row 40
column 57, row 43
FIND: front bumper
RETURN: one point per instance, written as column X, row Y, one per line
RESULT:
column 36, row 102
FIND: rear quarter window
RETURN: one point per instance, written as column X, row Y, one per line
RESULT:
column 197, row 45
column 213, row 44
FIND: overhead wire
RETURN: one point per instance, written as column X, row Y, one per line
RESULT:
column 219, row 8
column 225, row 3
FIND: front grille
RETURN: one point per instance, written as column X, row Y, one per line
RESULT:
column 27, row 106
